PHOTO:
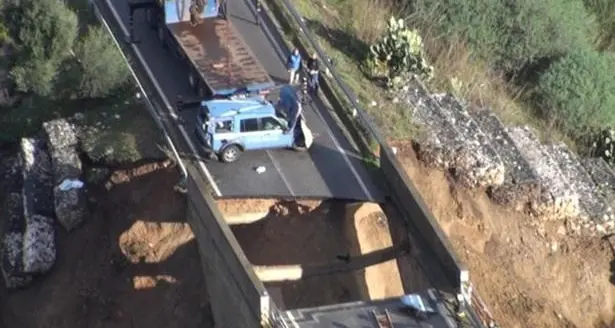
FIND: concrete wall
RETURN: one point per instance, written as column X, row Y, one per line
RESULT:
column 236, row 296
column 408, row 200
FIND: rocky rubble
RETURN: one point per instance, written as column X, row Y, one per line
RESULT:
column 556, row 199
column 480, row 165
column 520, row 181
column 593, row 206
column 60, row 134
column 603, row 175
column 12, row 242
column 70, row 205
column 39, row 249
column 37, row 180
column 440, row 144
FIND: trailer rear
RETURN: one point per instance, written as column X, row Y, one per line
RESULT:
column 219, row 61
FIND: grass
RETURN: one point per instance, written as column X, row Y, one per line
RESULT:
column 346, row 28
column 113, row 131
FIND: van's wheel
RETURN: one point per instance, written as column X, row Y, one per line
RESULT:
column 230, row 154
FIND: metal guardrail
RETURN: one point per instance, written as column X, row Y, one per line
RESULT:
column 357, row 110
column 148, row 102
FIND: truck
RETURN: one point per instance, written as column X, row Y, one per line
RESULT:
column 219, row 62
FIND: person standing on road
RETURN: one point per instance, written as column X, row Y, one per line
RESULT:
column 314, row 73
column 293, row 65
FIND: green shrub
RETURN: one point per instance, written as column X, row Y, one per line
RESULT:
column 576, row 92
column 604, row 12
column 511, row 34
column 101, row 67
column 43, row 33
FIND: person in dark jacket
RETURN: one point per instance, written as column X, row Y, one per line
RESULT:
column 313, row 67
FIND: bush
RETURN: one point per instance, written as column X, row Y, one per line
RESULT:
column 101, row 68
column 604, row 12
column 43, row 33
column 576, row 92
column 511, row 35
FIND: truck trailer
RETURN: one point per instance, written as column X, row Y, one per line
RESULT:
column 219, row 62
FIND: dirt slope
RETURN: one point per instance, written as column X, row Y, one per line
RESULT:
column 530, row 274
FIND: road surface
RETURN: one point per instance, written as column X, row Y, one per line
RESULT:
column 332, row 168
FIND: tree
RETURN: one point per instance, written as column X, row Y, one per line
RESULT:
column 43, row 33
column 576, row 92
column 100, row 65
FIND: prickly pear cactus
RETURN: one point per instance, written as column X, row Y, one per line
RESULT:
column 399, row 54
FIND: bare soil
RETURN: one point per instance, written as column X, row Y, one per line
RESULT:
column 133, row 264
column 325, row 234
column 530, row 273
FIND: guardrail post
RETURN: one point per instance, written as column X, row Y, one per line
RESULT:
column 258, row 12
column 131, row 24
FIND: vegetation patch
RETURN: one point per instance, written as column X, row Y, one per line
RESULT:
column 61, row 63
column 505, row 56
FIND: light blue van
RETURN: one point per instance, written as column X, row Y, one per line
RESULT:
column 227, row 127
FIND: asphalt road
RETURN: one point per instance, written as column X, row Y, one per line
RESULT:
column 332, row 168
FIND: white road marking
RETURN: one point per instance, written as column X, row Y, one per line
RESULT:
column 279, row 169
column 292, row 319
column 315, row 109
column 164, row 99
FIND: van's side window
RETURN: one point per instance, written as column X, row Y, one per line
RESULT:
column 249, row 125
column 224, row 126
column 270, row 123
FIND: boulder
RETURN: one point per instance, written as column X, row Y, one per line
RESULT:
column 556, row 198
column 66, row 164
column 60, row 134
column 439, row 143
column 481, row 165
column 603, row 175
column 39, row 249
column 37, row 178
column 593, row 206
column 71, row 207
column 12, row 242
column 520, row 181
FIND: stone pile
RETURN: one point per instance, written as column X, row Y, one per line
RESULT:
column 12, row 243
column 37, row 179
column 479, row 164
column 70, row 205
column 603, row 175
column 439, row 142
column 556, row 199
column 520, row 181
column 593, row 206
column 517, row 169
column 28, row 245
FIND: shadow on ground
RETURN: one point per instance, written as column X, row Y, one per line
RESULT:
column 321, row 236
column 133, row 264
column 341, row 40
